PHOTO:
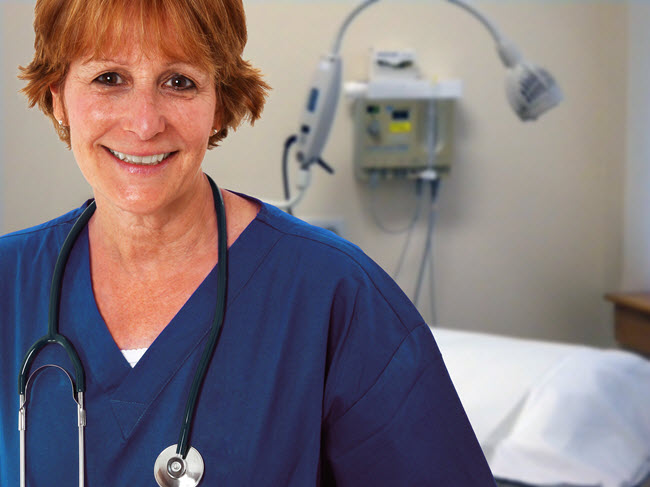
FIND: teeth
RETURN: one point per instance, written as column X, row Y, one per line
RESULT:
column 144, row 160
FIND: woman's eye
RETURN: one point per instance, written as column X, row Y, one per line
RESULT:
column 111, row 79
column 180, row 83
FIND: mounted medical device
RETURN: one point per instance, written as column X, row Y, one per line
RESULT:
column 531, row 91
column 402, row 120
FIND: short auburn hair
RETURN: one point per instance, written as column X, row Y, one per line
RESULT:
column 208, row 33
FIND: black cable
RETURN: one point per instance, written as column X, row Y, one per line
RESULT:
column 285, row 168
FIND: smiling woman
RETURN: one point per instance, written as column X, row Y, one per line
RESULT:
column 139, row 126
column 286, row 386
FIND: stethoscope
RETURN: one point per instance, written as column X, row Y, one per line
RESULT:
column 179, row 465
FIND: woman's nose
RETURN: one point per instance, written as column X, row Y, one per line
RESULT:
column 143, row 114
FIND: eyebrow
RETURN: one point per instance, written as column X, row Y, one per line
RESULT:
column 122, row 63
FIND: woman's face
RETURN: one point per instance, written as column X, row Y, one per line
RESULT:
column 139, row 126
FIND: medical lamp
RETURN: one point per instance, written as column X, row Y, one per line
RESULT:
column 530, row 90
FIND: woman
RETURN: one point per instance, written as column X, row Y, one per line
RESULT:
column 324, row 373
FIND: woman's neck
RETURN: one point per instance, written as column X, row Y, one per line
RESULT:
column 146, row 244
column 144, row 269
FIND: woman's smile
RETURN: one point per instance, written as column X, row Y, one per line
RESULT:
column 144, row 160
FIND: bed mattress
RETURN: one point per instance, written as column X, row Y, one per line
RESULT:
column 553, row 414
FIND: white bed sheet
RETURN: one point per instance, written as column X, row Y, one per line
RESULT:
column 548, row 413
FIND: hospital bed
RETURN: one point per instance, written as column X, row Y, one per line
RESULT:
column 550, row 414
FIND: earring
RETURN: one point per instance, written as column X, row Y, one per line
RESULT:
column 214, row 131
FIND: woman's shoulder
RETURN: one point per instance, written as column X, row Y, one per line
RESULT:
column 299, row 237
column 321, row 258
column 26, row 243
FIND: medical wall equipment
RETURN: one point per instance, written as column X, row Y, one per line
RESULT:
column 531, row 91
column 402, row 121
column 179, row 465
column 403, row 125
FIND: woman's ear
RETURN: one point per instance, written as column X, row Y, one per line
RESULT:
column 217, row 122
column 58, row 108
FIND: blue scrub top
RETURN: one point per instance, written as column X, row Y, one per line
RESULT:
column 325, row 374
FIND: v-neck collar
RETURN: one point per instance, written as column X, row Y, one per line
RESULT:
column 106, row 364
column 132, row 390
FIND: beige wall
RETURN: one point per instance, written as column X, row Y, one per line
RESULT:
column 529, row 228
column 636, row 269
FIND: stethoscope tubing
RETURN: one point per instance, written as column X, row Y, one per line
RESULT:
column 54, row 337
column 215, row 332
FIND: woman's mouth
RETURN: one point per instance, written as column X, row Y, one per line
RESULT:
column 151, row 160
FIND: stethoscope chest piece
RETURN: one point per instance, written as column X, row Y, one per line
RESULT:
column 172, row 470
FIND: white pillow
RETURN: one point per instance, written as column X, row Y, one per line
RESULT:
column 493, row 375
column 552, row 414
column 587, row 422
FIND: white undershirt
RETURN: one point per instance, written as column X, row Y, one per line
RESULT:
column 134, row 355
